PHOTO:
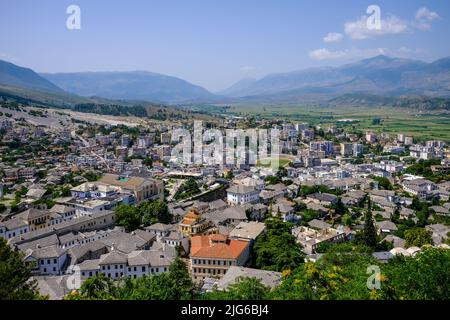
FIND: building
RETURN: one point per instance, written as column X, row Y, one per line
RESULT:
column 47, row 261
column 240, row 195
column 247, row 231
column 86, row 223
column 308, row 134
column 126, row 140
column 135, row 264
column 142, row 188
column 13, row 227
column 325, row 199
column 268, row 278
column 371, row 137
column 358, row 149
column 421, row 188
column 193, row 223
column 346, row 149
column 322, row 146
column 166, row 138
column 311, row 238
column 211, row 256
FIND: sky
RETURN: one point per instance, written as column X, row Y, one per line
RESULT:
column 214, row 43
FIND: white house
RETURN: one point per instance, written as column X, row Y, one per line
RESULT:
column 239, row 195
column 13, row 227
column 47, row 261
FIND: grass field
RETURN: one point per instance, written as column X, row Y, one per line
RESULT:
column 422, row 125
column 283, row 162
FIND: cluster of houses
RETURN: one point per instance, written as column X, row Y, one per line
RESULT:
column 216, row 229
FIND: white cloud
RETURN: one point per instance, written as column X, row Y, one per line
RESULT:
column 358, row 30
column 356, row 53
column 325, row 54
column 333, row 37
column 424, row 17
column 425, row 13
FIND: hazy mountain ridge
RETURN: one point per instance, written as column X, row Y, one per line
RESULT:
column 380, row 75
column 133, row 85
column 13, row 75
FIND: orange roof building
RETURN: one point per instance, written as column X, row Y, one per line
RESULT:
column 212, row 255
column 193, row 223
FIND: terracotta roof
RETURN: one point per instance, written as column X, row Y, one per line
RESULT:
column 207, row 247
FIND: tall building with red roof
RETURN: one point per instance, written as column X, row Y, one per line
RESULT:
column 212, row 255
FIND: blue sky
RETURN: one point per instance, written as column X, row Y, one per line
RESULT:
column 216, row 43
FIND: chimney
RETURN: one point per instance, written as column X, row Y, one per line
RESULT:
column 113, row 246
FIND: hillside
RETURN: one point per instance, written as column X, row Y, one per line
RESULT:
column 32, row 98
column 12, row 75
column 135, row 85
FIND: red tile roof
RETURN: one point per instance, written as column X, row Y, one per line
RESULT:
column 216, row 247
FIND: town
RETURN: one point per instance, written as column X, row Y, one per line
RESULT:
column 99, row 200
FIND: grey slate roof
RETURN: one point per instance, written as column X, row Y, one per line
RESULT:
column 234, row 274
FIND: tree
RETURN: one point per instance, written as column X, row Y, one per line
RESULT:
column 188, row 189
column 128, row 217
column 148, row 162
column 99, row 287
column 15, row 283
column 181, row 282
column 423, row 277
column 154, row 212
column 339, row 207
column 369, row 234
column 272, row 179
column 176, row 284
column 277, row 249
column 417, row 237
column 383, row 182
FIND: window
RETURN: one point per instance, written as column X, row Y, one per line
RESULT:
column 143, row 269
column 54, row 268
column 54, row 260
column 48, row 261
column 135, row 269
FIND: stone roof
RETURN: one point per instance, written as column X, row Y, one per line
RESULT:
column 234, row 274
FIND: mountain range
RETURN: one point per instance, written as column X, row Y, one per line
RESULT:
column 378, row 76
column 133, row 85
